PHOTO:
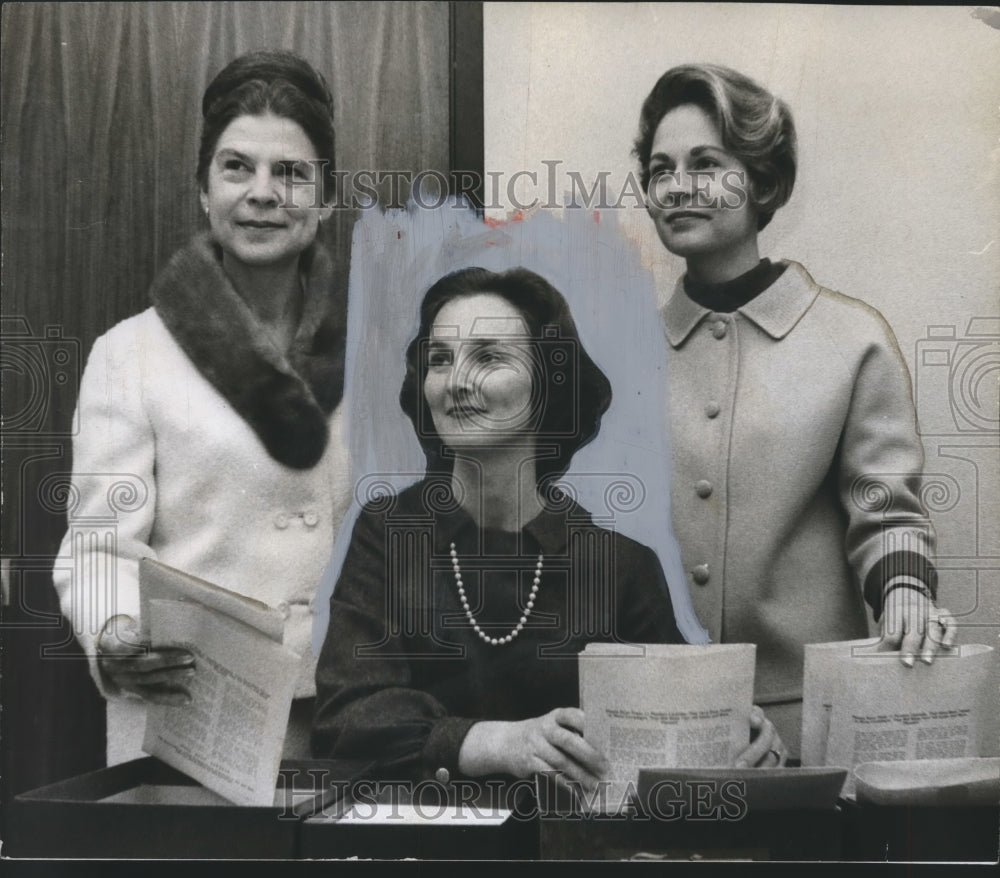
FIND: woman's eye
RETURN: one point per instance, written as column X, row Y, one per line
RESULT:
column 439, row 359
column 490, row 355
column 296, row 170
column 235, row 166
column 705, row 164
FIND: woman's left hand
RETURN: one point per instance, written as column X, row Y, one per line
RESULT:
column 766, row 748
column 913, row 625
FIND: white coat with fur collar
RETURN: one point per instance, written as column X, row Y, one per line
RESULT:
column 165, row 458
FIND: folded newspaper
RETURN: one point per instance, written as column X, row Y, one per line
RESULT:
column 658, row 705
column 861, row 705
column 230, row 737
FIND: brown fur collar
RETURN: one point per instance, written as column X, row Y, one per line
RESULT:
column 285, row 400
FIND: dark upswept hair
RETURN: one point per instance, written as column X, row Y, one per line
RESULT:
column 275, row 82
column 575, row 392
column 754, row 125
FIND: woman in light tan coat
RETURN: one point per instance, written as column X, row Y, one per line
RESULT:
column 797, row 463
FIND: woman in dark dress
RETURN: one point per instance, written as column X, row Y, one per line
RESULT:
column 464, row 600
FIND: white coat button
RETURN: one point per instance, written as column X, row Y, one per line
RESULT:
column 310, row 518
column 719, row 329
column 281, row 521
column 700, row 574
column 712, row 409
column 442, row 775
column 703, row 489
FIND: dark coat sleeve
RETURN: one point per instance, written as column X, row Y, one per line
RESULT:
column 365, row 703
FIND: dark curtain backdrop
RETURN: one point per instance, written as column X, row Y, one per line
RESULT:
column 100, row 124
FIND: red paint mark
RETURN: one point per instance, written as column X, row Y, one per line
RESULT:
column 494, row 223
column 399, row 236
column 597, row 217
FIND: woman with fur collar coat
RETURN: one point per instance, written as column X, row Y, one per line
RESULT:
column 214, row 416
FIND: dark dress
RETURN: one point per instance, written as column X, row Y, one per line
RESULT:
column 403, row 676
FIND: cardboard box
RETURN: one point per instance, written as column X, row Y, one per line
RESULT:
column 701, row 814
column 429, row 821
column 144, row 809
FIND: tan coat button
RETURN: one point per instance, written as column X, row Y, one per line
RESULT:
column 719, row 330
column 703, row 489
column 281, row 521
column 442, row 775
column 310, row 518
column 712, row 410
column 700, row 574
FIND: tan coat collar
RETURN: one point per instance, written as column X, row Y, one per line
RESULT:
column 776, row 310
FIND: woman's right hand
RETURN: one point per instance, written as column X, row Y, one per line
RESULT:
column 551, row 742
column 156, row 675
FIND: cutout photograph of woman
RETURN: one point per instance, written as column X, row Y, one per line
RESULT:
column 463, row 600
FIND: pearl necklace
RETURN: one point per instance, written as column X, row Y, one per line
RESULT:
column 495, row 641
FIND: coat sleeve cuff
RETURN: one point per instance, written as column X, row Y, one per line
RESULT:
column 910, row 565
column 443, row 745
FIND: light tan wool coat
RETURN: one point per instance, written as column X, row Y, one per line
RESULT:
column 796, row 488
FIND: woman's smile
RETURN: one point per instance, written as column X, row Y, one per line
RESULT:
column 681, row 218
column 261, row 224
column 464, row 410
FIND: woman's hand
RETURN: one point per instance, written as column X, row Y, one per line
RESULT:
column 913, row 625
column 551, row 742
column 766, row 748
column 157, row 675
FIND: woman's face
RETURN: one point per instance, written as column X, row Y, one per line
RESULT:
column 698, row 193
column 257, row 216
column 482, row 379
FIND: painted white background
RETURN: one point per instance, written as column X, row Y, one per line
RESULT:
column 896, row 201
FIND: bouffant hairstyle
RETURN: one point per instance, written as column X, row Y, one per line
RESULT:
column 572, row 392
column 754, row 125
column 280, row 83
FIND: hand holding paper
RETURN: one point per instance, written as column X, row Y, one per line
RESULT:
column 766, row 749
column 129, row 663
column 230, row 736
column 913, row 625
column 860, row 705
column 552, row 742
column 657, row 705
